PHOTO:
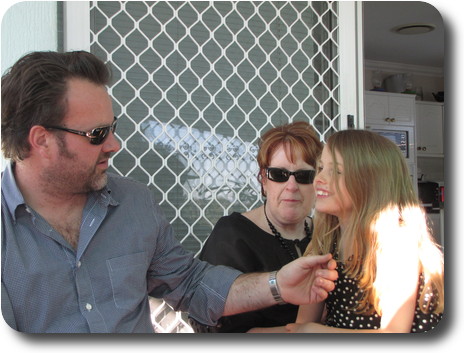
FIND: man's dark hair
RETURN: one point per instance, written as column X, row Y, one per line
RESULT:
column 34, row 91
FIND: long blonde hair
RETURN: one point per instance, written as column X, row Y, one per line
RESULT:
column 380, row 187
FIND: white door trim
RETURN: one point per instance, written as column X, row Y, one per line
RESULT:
column 351, row 63
column 76, row 22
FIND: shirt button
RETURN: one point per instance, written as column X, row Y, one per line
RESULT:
column 79, row 264
column 88, row 306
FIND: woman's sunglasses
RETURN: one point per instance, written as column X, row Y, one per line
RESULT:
column 96, row 136
column 282, row 175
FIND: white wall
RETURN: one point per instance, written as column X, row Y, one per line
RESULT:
column 26, row 26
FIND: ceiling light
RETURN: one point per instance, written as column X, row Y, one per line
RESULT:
column 414, row 28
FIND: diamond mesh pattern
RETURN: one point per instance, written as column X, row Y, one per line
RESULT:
column 196, row 83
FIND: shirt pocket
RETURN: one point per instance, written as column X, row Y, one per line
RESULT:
column 128, row 275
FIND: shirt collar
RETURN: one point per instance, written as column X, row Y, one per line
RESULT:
column 13, row 197
column 106, row 197
column 10, row 191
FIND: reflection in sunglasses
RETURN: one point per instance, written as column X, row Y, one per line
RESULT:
column 96, row 136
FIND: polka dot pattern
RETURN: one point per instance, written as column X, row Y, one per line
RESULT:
column 344, row 298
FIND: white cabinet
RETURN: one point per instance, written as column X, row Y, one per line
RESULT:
column 429, row 129
column 389, row 108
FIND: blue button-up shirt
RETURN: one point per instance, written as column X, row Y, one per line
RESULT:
column 126, row 252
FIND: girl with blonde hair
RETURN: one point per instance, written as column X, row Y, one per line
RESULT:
column 369, row 217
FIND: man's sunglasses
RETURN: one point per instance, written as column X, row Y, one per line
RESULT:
column 96, row 136
column 282, row 175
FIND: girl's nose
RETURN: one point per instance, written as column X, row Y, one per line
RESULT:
column 319, row 179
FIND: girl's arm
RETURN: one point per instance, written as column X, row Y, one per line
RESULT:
column 396, row 283
column 397, row 279
column 397, row 318
column 310, row 313
column 306, row 313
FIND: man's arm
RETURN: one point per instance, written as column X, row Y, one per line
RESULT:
column 303, row 281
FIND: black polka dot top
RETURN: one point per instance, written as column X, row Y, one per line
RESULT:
column 345, row 296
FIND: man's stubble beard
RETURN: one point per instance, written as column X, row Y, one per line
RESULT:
column 69, row 175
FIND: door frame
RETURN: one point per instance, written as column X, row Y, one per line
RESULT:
column 351, row 63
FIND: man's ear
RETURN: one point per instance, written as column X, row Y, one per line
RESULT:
column 40, row 140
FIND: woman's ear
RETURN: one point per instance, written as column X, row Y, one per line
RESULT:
column 40, row 140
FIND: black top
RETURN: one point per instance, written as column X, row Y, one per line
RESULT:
column 342, row 300
column 237, row 242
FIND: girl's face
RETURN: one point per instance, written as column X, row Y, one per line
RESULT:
column 330, row 199
column 288, row 202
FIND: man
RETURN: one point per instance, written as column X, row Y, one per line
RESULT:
column 83, row 249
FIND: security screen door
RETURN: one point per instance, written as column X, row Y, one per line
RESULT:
column 195, row 85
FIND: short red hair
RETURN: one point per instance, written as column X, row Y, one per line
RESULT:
column 299, row 139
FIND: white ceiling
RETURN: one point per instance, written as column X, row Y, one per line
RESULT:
column 382, row 44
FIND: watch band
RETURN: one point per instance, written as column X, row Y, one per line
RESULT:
column 275, row 288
